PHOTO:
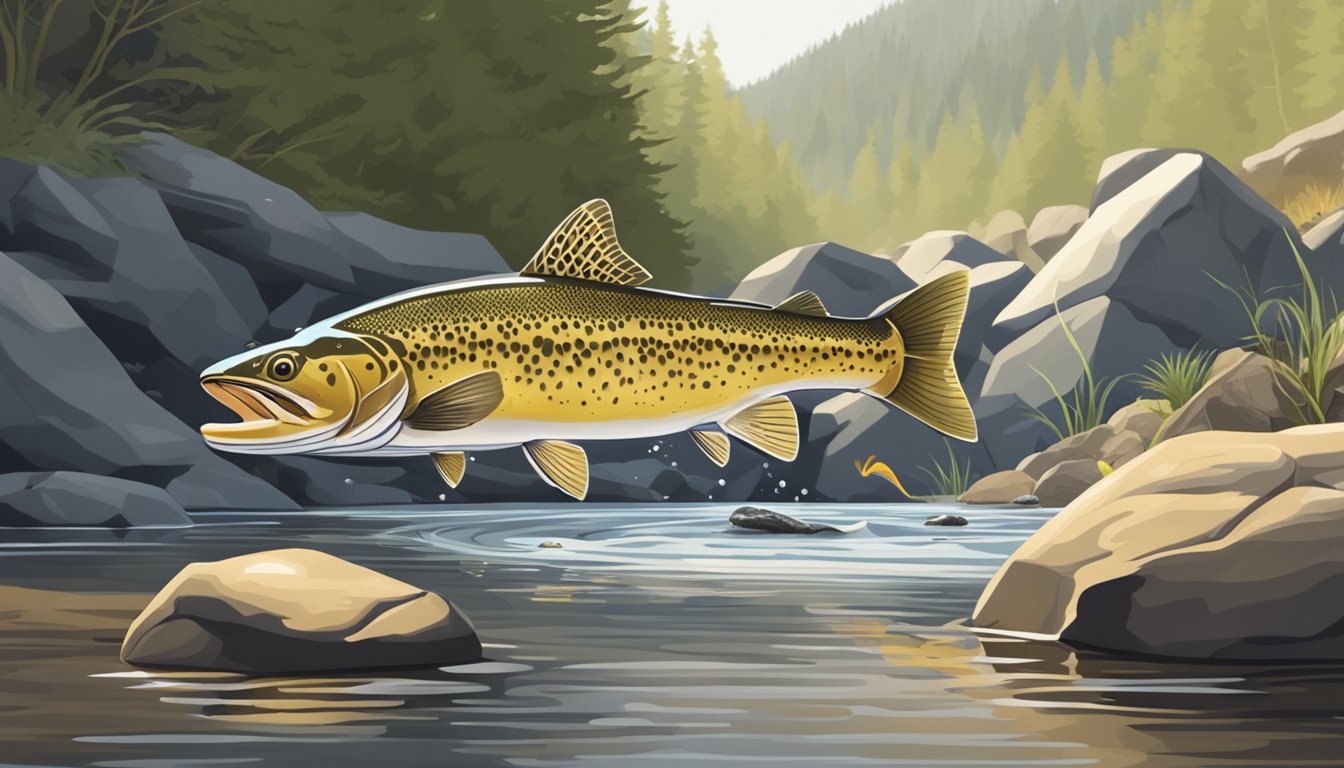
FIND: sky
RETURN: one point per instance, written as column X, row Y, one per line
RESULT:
column 757, row 36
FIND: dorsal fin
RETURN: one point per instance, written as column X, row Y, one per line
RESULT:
column 584, row 247
column 803, row 303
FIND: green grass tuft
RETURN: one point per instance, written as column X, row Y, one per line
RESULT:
column 1083, row 407
column 951, row 479
column 1301, row 336
column 1176, row 378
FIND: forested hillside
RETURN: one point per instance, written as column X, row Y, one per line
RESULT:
column 934, row 113
column 497, row 119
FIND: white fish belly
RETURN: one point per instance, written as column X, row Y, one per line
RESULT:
column 490, row 433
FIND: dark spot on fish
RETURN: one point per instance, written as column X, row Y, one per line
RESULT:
column 368, row 366
column 322, row 367
column 331, row 379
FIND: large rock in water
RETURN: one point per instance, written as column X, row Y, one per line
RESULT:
column 1311, row 156
column 850, row 283
column 1160, row 247
column 60, row 499
column 295, row 610
column 71, row 406
column 1216, row 545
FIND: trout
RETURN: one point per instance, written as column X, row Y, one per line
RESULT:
column 571, row 349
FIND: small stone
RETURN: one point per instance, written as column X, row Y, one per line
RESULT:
column 948, row 520
column 550, row 545
column 1027, row 500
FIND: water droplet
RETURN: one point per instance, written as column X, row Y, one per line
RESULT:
column 766, row 465
column 795, row 498
column 348, row 481
column 782, row 483
column 674, row 463
column 665, row 497
column 722, row 482
column 804, row 491
column 656, row 447
column 473, row 458
column 443, row 497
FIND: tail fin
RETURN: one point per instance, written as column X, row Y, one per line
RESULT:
column 929, row 321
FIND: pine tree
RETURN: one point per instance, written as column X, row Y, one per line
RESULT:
column 360, row 105
column 899, row 221
column 1321, row 41
column 1092, row 115
column 867, row 201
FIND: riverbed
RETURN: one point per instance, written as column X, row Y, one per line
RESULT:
column 652, row 636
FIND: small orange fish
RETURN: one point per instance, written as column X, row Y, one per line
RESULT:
column 874, row 467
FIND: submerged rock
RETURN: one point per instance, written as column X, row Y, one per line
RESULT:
column 758, row 519
column 1214, row 545
column 295, row 610
column 946, row 520
column 60, row 499
column 1027, row 500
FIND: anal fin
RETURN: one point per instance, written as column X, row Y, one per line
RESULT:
column 714, row 443
column 563, row 465
column 770, row 426
column 452, row 465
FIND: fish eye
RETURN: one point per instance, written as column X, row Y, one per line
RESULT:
column 282, row 367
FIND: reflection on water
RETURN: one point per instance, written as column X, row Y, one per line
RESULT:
column 654, row 636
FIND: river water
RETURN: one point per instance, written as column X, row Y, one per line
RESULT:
column 655, row 636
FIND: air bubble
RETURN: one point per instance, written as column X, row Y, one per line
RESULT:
column 782, row 483
column 348, row 481
column 722, row 482
column 804, row 491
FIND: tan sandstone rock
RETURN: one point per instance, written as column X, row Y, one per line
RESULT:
column 1217, row 545
column 295, row 610
column 1240, row 395
column 999, row 488
column 1066, row 481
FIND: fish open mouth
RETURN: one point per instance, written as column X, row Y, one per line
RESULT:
column 255, row 404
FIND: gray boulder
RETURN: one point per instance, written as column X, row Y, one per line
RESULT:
column 282, row 239
column 1311, row 156
column 849, row 427
column 76, row 408
column 850, row 283
column 1052, row 227
column 1119, row 172
column 1007, row 234
column 935, row 253
column 1112, row 339
column 75, row 499
column 1160, row 246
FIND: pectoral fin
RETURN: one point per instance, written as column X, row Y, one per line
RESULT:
column 564, row 465
column 770, row 426
column 714, row 443
column 452, row 466
column 460, row 404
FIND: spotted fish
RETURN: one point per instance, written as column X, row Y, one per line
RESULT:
column 571, row 350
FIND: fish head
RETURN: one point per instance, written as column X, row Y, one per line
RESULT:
column 301, row 396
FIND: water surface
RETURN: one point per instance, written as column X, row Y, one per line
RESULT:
column 656, row 636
